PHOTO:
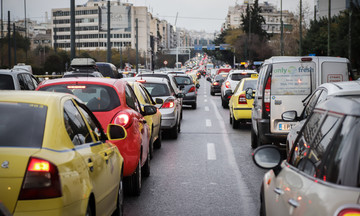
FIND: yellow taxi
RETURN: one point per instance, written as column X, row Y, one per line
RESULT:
column 55, row 158
column 194, row 76
column 154, row 121
column 240, row 106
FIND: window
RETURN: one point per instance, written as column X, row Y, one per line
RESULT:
column 341, row 165
column 94, row 127
column 6, row 82
column 145, row 95
column 75, row 125
column 131, row 99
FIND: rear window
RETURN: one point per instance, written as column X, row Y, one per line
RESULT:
column 22, row 124
column 220, row 77
column 183, row 80
column 6, row 82
column 157, row 89
column 98, row 98
column 239, row 76
column 292, row 78
column 250, row 84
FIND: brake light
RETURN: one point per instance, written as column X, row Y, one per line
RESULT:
column 349, row 212
column 242, row 99
column 306, row 59
column 169, row 103
column 216, row 83
column 41, row 180
column 227, row 84
column 123, row 119
column 76, row 87
column 141, row 81
column 267, row 95
column 192, row 89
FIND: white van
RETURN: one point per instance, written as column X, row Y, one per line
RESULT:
column 284, row 82
column 23, row 67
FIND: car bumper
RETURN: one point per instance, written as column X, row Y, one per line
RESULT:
column 266, row 137
column 241, row 113
column 215, row 89
column 189, row 99
column 168, row 118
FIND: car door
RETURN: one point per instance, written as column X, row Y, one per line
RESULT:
column 103, row 169
column 256, row 113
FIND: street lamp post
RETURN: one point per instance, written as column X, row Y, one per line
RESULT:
column 282, row 31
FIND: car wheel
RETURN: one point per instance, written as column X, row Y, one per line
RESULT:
column 146, row 167
column 212, row 93
column 253, row 138
column 89, row 210
column 136, row 180
column 157, row 143
column 230, row 118
column 181, row 114
column 179, row 127
column 120, row 200
column 174, row 131
column 193, row 105
column 235, row 123
column 224, row 103
column 151, row 146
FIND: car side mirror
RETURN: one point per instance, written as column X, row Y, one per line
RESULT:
column 159, row 101
column 267, row 157
column 181, row 87
column 250, row 94
column 208, row 79
column 290, row 115
column 149, row 110
column 198, row 85
column 180, row 95
column 115, row 132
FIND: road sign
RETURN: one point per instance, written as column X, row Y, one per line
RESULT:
column 197, row 47
column 211, row 46
column 224, row 46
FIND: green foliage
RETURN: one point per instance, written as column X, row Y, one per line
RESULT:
column 252, row 21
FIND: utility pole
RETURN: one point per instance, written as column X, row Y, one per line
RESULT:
column 2, row 33
column 108, row 43
column 329, row 24
column 350, row 26
column 9, row 39
column 137, row 45
column 25, row 30
column 300, row 30
column 282, row 31
column 72, row 29
column 55, row 37
column 121, row 60
column 14, row 40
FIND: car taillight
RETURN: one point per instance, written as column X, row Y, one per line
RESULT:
column 267, row 95
column 242, row 99
column 168, row 103
column 216, row 83
column 349, row 212
column 123, row 119
column 192, row 89
column 227, row 84
column 41, row 181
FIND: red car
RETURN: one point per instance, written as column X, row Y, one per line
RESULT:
column 113, row 101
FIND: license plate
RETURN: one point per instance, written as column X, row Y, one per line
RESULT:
column 285, row 126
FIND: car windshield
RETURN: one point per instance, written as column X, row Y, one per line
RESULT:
column 157, row 89
column 22, row 124
column 6, row 82
column 98, row 98
column 250, row 84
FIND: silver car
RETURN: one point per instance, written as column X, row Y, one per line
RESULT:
column 159, row 88
column 321, row 173
column 186, row 85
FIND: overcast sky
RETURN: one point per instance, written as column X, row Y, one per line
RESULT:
column 205, row 15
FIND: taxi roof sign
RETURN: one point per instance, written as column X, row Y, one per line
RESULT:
column 254, row 75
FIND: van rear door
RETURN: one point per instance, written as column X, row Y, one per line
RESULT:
column 290, row 84
column 333, row 71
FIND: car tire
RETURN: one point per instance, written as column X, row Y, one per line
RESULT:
column 253, row 138
column 157, row 143
column 174, row 131
column 230, row 118
column 262, row 202
column 212, row 93
column 136, row 180
column 119, row 211
column 146, row 168
column 89, row 211
column 235, row 123
column 224, row 104
column 181, row 114
column 151, row 146
column 194, row 105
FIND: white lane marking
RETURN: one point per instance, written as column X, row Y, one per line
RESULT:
column 205, row 96
column 208, row 123
column 205, row 100
column 242, row 187
column 211, row 153
column 207, row 109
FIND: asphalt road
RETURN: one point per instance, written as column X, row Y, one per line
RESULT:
column 208, row 170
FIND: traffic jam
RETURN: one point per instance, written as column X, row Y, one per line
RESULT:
column 184, row 129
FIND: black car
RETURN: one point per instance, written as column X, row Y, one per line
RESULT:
column 216, row 82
